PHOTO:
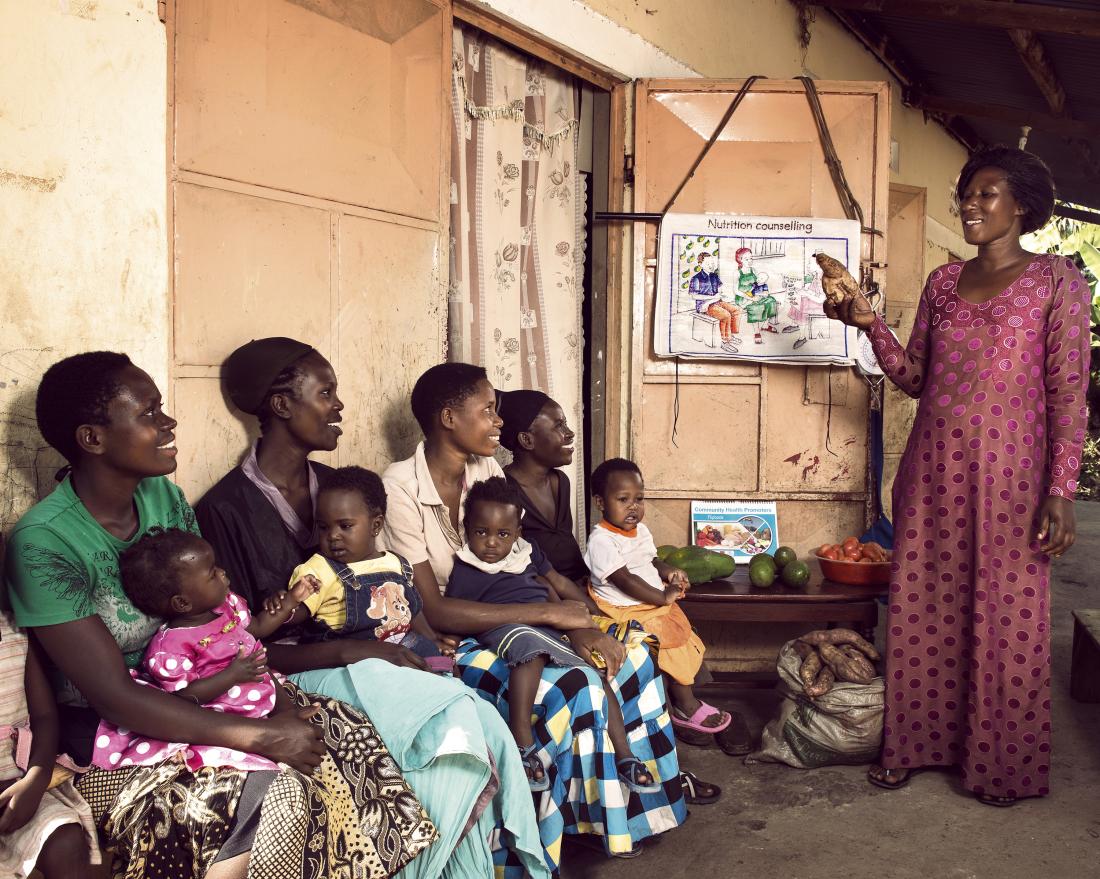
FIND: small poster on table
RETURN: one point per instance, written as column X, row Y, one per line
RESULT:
column 741, row 529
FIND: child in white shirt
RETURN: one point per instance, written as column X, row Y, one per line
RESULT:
column 629, row 582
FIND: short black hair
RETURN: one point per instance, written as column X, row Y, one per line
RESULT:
column 494, row 490
column 441, row 386
column 289, row 383
column 602, row 474
column 76, row 391
column 149, row 569
column 1028, row 177
column 366, row 483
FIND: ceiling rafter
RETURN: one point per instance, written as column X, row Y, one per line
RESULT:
column 987, row 13
column 1038, row 65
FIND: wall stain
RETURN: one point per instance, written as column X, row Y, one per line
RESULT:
column 812, row 467
column 27, row 182
column 795, row 458
column 82, row 8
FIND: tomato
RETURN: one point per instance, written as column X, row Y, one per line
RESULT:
column 866, row 560
column 853, row 555
column 821, row 549
column 830, row 553
column 850, row 543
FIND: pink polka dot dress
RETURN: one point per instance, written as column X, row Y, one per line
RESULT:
column 999, row 426
column 176, row 657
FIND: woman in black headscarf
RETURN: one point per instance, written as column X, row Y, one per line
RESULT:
column 453, row 749
column 537, row 434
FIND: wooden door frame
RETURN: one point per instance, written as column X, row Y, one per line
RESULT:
column 507, row 30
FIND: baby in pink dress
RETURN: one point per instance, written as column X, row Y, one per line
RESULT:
column 207, row 650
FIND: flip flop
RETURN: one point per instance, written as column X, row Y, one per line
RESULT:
column 886, row 785
column 691, row 784
column 531, row 765
column 999, row 802
column 629, row 768
column 695, row 722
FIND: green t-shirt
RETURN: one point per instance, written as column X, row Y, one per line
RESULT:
column 62, row 565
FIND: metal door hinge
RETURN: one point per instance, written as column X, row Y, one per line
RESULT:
column 162, row 10
column 628, row 169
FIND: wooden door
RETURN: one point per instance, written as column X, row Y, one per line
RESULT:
column 904, row 279
column 308, row 200
column 794, row 434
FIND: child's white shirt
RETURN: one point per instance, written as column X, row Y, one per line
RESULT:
column 609, row 551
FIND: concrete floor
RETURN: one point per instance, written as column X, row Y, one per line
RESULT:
column 775, row 821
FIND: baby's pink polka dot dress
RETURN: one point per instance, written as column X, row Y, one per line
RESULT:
column 177, row 657
column 999, row 426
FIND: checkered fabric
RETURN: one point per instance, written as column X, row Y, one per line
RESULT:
column 585, row 795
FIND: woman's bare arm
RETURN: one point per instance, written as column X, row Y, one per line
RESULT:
column 474, row 617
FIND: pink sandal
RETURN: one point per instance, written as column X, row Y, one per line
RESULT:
column 695, row 722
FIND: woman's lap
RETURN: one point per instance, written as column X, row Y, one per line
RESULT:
column 308, row 825
column 585, row 795
column 457, row 755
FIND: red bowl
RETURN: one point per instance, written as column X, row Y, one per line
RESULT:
column 855, row 573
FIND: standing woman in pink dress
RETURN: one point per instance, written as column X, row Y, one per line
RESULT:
column 998, row 360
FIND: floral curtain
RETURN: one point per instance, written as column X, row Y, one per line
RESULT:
column 517, row 226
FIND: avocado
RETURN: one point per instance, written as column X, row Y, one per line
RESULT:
column 700, row 564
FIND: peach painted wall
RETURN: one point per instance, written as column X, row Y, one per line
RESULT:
column 83, row 202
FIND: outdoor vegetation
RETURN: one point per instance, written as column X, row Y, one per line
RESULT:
column 1081, row 241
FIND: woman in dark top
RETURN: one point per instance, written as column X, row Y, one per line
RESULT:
column 536, row 433
column 249, row 512
column 453, row 749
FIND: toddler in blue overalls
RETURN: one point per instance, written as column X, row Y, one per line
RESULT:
column 365, row 592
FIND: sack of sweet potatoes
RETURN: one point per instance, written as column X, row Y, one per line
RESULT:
column 842, row 724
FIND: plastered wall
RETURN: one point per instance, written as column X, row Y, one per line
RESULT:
column 83, row 244
column 736, row 38
column 83, row 239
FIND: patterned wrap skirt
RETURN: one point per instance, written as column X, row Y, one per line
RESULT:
column 354, row 817
column 570, row 728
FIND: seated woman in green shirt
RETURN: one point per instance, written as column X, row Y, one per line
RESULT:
column 104, row 415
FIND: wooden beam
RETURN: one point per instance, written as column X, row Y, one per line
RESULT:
column 1034, row 57
column 1035, row 60
column 507, row 30
column 1060, row 125
column 1062, row 210
column 987, row 13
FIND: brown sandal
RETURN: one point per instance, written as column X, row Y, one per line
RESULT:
column 882, row 780
column 991, row 800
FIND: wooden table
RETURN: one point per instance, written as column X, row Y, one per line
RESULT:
column 820, row 603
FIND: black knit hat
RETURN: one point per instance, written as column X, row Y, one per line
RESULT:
column 518, row 409
column 250, row 370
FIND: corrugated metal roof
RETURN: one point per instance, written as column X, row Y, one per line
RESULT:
column 981, row 65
